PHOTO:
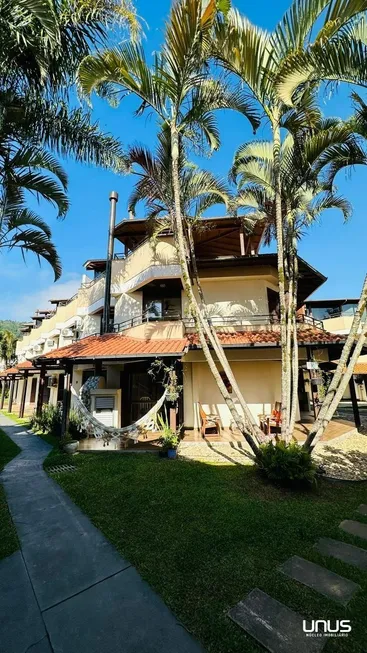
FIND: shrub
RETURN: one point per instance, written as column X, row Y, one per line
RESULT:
column 287, row 464
column 76, row 431
column 49, row 421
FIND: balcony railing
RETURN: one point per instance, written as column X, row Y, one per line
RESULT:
column 248, row 322
column 144, row 318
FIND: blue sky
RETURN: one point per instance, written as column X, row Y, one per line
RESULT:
column 334, row 248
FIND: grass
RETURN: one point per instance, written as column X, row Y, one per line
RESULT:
column 25, row 421
column 204, row 536
column 8, row 539
column 22, row 421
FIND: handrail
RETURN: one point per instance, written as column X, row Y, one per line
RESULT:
column 215, row 320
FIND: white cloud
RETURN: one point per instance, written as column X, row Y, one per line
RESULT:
column 25, row 304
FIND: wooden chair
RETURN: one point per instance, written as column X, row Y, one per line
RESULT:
column 210, row 424
column 273, row 421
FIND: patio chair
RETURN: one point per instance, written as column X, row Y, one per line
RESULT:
column 210, row 424
column 273, row 421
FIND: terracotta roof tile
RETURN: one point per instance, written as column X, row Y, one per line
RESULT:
column 309, row 335
column 10, row 370
column 118, row 345
column 19, row 368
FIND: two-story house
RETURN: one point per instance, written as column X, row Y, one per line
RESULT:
column 149, row 318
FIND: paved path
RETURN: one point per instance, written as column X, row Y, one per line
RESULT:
column 68, row 590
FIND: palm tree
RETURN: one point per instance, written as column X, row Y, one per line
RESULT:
column 7, row 347
column 41, row 46
column 178, row 89
column 309, row 162
column 315, row 41
column 35, row 171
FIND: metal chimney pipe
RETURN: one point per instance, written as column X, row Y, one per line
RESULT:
column 107, row 293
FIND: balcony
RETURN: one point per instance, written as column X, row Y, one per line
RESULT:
column 231, row 322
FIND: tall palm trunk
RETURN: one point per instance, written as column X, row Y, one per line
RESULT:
column 285, row 366
column 288, row 267
column 295, row 371
column 340, row 378
column 212, row 335
column 180, row 240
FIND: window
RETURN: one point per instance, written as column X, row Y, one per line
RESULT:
column 165, row 308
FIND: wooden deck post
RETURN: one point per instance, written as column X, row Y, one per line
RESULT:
column 66, row 400
column 4, row 383
column 173, row 418
column 353, row 396
column 11, row 394
column 41, row 388
column 24, row 392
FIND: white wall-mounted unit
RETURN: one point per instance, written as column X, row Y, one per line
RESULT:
column 105, row 406
column 50, row 343
column 37, row 349
column 67, row 333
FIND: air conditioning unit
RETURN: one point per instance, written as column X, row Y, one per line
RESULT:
column 52, row 381
column 50, row 343
column 67, row 333
column 37, row 348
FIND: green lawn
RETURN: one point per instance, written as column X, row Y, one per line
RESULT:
column 22, row 421
column 204, row 536
column 8, row 538
column 25, row 421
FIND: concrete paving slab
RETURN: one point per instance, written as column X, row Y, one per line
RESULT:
column 348, row 553
column 362, row 509
column 42, row 646
column 121, row 614
column 354, row 528
column 90, row 597
column 334, row 587
column 73, row 557
column 274, row 625
column 21, row 624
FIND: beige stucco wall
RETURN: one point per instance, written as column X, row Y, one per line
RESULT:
column 260, row 383
column 157, row 330
column 340, row 324
column 240, row 297
column 128, row 305
column 144, row 257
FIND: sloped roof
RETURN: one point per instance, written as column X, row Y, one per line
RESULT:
column 18, row 369
column 10, row 370
column 309, row 335
column 116, row 345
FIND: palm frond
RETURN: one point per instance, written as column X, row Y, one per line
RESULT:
column 38, row 243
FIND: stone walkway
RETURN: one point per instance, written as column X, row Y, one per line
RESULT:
column 68, row 590
column 281, row 630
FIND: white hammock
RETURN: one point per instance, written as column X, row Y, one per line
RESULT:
column 107, row 433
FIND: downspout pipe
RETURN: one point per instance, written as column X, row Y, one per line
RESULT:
column 107, row 296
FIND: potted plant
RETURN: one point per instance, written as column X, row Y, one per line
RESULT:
column 69, row 445
column 169, row 440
